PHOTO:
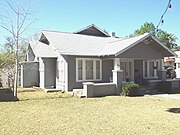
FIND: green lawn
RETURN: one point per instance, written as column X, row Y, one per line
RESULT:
column 42, row 113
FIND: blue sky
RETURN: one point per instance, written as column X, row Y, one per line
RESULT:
column 120, row 16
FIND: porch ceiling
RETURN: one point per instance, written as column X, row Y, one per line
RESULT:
column 142, row 50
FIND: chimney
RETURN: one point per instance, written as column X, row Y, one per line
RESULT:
column 113, row 34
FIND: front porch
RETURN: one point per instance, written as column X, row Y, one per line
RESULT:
column 133, row 70
column 139, row 63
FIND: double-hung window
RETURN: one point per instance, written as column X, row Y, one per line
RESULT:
column 88, row 69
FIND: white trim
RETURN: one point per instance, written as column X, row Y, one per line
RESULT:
column 127, row 61
column 133, row 44
column 84, row 69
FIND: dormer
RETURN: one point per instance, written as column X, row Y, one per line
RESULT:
column 92, row 30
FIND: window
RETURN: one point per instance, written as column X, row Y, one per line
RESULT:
column 150, row 68
column 80, row 68
column 145, row 68
column 88, row 69
column 98, row 69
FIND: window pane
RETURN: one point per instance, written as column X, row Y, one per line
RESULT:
column 79, row 69
column 151, row 69
column 145, row 66
column 130, row 73
column 89, row 69
column 123, row 67
column 157, row 65
column 97, row 69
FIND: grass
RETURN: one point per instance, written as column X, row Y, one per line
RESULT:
column 176, row 94
column 42, row 113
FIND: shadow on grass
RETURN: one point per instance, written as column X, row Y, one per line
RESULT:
column 6, row 95
column 174, row 110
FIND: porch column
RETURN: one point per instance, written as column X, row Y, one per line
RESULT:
column 42, row 72
column 117, row 79
column 162, row 72
column 116, row 63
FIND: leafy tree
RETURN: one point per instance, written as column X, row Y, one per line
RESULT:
column 166, row 38
column 8, row 58
column 146, row 28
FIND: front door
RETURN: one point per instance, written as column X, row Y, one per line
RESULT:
column 127, row 65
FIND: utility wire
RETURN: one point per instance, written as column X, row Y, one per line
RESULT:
column 161, row 21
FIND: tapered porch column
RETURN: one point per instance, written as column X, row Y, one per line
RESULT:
column 116, row 63
column 117, row 75
column 162, row 72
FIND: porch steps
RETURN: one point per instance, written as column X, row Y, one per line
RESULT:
column 78, row 93
column 52, row 90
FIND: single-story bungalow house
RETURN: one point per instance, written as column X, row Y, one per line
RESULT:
column 92, row 59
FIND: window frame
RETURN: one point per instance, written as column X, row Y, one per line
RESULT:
column 158, row 61
column 84, row 69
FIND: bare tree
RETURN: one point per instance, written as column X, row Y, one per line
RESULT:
column 16, row 21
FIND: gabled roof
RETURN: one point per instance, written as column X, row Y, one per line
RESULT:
column 92, row 30
column 82, row 45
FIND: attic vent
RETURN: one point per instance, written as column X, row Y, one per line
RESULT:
column 43, row 39
column 113, row 34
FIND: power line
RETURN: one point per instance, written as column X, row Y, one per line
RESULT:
column 161, row 21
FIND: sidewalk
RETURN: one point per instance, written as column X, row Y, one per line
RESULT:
column 167, row 96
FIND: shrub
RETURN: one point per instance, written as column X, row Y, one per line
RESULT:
column 164, row 87
column 129, row 89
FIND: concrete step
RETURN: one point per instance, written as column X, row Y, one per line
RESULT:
column 52, row 90
column 78, row 92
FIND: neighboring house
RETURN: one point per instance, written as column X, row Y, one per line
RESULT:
column 169, row 62
column 64, row 61
column 177, row 62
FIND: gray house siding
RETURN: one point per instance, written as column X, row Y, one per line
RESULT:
column 30, row 74
column 142, row 51
column 72, row 84
column 30, row 54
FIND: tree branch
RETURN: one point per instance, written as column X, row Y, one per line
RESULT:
column 11, row 7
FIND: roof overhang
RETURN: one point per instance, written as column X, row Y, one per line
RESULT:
column 141, row 47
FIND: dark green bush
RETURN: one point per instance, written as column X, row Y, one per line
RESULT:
column 164, row 87
column 129, row 89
